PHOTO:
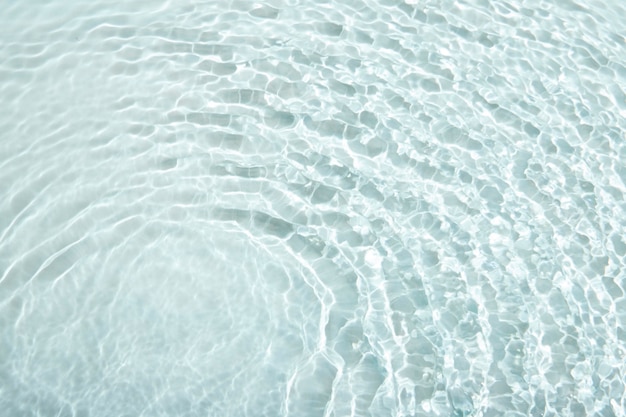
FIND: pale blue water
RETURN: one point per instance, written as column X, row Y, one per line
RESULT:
column 312, row 208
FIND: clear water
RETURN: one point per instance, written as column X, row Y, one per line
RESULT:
column 312, row 208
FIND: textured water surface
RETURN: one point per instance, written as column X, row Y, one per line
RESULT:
column 312, row 208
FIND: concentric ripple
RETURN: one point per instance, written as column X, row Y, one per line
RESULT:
column 313, row 208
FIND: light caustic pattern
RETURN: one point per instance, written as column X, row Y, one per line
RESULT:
column 312, row 208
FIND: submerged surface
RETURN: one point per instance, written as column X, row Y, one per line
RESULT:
column 312, row 208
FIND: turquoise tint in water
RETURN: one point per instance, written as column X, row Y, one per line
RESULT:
column 304, row 208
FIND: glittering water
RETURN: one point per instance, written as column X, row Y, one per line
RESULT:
column 312, row 208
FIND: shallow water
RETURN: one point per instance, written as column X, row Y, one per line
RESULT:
column 313, row 208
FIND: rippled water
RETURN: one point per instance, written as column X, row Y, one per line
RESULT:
column 312, row 208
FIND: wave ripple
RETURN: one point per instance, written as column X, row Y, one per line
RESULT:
column 298, row 208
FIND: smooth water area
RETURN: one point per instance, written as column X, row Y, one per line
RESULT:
column 312, row 208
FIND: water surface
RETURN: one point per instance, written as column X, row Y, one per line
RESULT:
column 312, row 208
